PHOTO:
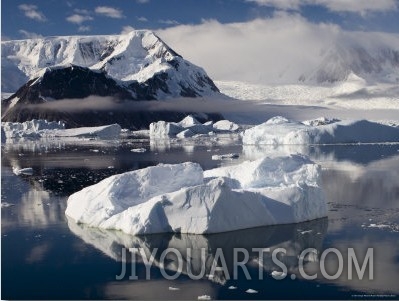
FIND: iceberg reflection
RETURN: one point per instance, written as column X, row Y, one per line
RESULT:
column 294, row 238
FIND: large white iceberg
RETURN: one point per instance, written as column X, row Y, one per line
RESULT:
column 36, row 129
column 189, row 127
column 182, row 198
column 279, row 130
column 29, row 129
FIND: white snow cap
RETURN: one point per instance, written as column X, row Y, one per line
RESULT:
column 279, row 130
column 135, row 56
column 182, row 198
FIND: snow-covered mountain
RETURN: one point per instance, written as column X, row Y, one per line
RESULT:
column 133, row 58
column 339, row 62
column 130, row 67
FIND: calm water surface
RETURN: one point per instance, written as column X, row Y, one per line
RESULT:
column 44, row 256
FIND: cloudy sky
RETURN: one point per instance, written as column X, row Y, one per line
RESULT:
column 223, row 36
column 29, row 18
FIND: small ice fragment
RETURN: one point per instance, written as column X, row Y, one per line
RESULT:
column 278, row 275
column 23, row 171
column 225, row 156
column 171, row 288
column 204, row 297
column 138, row 150
column 94, row 150
column 110, row 167
column 251, row 291
column 232, row 287
column 6, row 205
column 306, row 231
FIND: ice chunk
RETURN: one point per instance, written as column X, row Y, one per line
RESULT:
column 23, row 171
column 251, row 291
column 226, row 125
column 171, row 288
column 204, row 297
column 37, row 129
column 185, row 134
column 177, row 198
column 278, row 275
column 280, row 130
column 103, row 132
column 138, row 150
column 225, row 156
column 190, row 127
column 189, row 121
column 163, row 129
column 28, row 129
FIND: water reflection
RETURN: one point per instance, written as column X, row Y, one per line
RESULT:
column 294, row 238
column 358, row 154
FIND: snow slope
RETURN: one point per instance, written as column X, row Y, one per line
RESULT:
column 353, row 93
column 133, row 57
column 182, row 198
column 279, row 130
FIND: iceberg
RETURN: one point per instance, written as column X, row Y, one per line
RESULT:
column 29, row 129
column 36, row 129
column 190, row 127
column 182, row 198
column 281, row 131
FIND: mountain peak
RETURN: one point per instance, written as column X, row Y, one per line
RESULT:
column 134, row 57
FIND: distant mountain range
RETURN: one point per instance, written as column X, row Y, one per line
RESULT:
column 136, row 66
column 374, row 63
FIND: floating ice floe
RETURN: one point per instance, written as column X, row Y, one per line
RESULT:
column 183, row 198
column 23, row 171
column 138, row 150
column 251, row 291
column 190, row 127
column 225, row 157
column 36, row 129
column 204, row 297
column 279, row 130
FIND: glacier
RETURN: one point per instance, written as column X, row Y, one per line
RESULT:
column 183, row 198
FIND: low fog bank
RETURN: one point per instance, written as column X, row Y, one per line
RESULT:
column 243, row 112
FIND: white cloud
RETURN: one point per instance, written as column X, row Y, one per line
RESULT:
column 126, row 29
column 168, row 22
column 142, row 19
column 32, row 12
column 81, row 11
column 78, row 19
column 275, row 50
column 84, row 28
column 110, row 12
column 354, row 6
column 29, row 35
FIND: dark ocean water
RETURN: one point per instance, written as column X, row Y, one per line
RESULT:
column 45, row 256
